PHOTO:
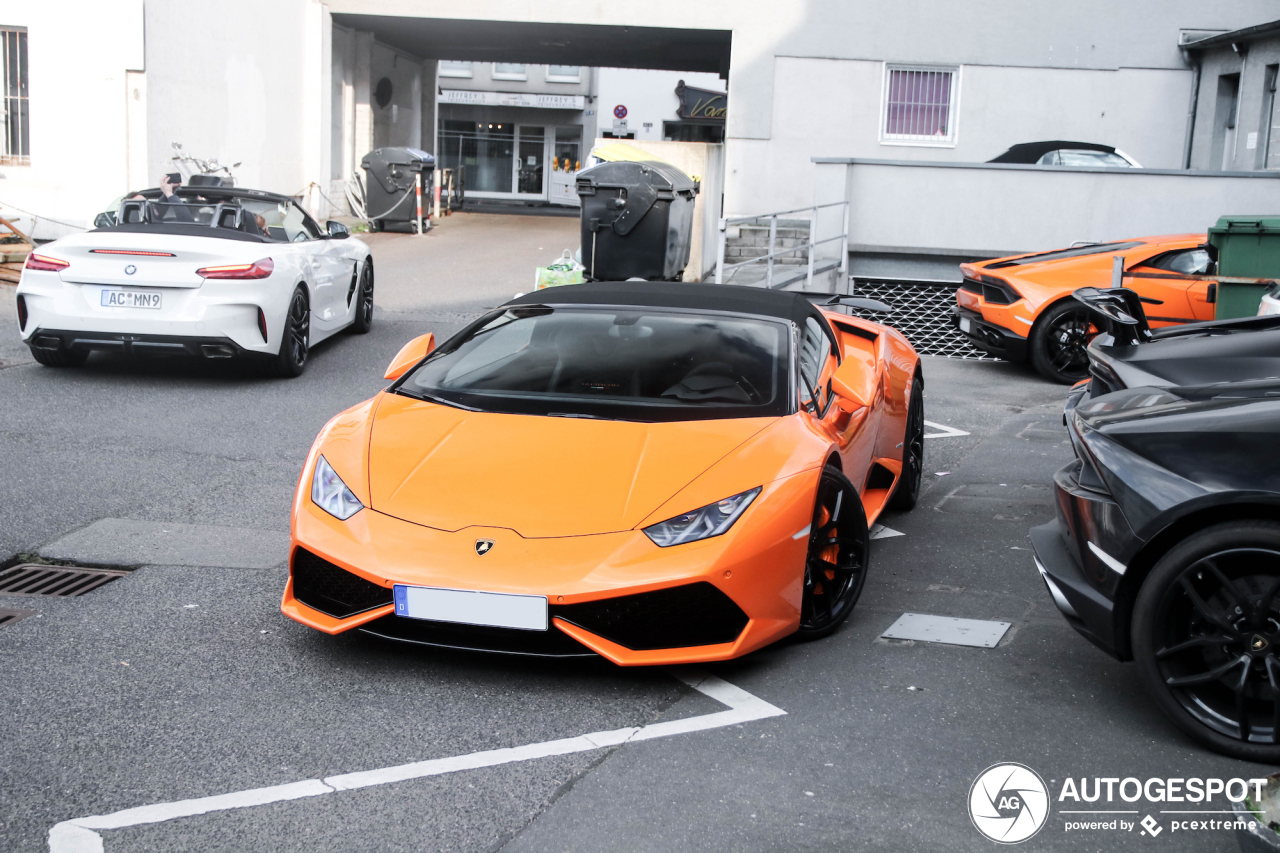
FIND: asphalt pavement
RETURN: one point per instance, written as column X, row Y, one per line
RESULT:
column 182, row 681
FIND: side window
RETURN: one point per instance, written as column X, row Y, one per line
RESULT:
column 1185, row 262
column 297, row 225
column 815, row 350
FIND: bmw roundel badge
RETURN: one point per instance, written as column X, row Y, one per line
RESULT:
column 483, row 546
column 130, row 270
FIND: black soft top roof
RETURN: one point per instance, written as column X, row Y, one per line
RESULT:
column 1030, row 152
column 785, row 305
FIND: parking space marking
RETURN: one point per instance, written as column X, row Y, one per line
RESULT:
column 879, row 531
column 81, row 835
column 945, row 431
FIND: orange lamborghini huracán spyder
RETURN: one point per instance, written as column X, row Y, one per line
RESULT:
column 1020, row 308
column 655, row 473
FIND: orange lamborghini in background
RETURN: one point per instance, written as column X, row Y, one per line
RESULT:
column 655, row 473
column 1020, row 308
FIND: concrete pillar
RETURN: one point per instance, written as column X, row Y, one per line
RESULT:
column 415, row 110
column 363, row 136
column 429, row 124
column 317, row 100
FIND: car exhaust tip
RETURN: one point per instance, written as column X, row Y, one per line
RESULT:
column 47, row 342
column 217, row 351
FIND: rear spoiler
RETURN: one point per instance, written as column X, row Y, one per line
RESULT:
column 1118, row 312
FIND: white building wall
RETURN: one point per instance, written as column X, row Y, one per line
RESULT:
column 79, row 56
column 648, row 95
column 241, row 84
column 834, row 105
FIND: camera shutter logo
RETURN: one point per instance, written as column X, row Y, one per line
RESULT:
column 1008, row 803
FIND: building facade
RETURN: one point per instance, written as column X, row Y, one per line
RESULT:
column 1235, row 125
column 293, row 89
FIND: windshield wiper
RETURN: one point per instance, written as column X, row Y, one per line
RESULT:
column 431, row 398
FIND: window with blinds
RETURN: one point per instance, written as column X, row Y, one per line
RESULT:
column 919, row 105
column 16, row 148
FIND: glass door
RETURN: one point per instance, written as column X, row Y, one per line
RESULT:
column 529, row 164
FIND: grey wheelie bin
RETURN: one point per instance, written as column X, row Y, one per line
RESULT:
column 637, row 220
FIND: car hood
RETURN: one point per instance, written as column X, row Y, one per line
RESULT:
column 448, row 468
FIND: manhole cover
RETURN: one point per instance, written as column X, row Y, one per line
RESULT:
column 11, row 617
column 37, row 579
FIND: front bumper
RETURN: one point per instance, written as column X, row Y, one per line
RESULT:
column 987, row 336
column 614, row 594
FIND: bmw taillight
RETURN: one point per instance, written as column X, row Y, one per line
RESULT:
column 257, row 269
column 22, row 312
column 43, row 262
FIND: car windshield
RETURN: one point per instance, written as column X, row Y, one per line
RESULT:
column 624, row 363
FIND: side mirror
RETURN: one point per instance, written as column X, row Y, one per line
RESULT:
column 337, row 231
column 854, row 382
column 104, row 220
column 410, row 354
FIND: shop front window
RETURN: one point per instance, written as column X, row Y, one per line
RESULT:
column 485, row 149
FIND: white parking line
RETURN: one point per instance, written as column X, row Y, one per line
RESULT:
column 879, row 531
column 81, row 834
column 946, row 431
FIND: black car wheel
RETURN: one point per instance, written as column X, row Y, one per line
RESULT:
column 836, row 563
column 364, row 301
column 1206, row 635
column 60, row 357
column 295, row 342
column 907, row 491
column 1059, row 343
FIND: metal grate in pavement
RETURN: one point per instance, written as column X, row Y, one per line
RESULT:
column 12, row 617
column 61, row 581
column 922, row 313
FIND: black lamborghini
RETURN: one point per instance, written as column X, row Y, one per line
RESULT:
column 1166, row 546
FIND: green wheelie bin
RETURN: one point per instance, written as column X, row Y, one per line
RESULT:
column 1248, row 247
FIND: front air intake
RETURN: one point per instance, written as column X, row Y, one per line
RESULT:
column 323, row 586
column 696, row 614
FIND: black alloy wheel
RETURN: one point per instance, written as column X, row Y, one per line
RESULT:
column 835, row 566
column 60, row 357
column 1206, row 634
column 364, row 300
column 907, row 492
column 1059, row 343
column 295, row 341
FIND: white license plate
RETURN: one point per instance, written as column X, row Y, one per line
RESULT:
column 494, row 609
column 965, row 325
column 129, row 299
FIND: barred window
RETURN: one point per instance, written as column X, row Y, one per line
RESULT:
column 17, row 132
column 919, row 105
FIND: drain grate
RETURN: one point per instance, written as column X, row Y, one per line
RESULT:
column 12, row 617
column 37, row 579
column 922, row 312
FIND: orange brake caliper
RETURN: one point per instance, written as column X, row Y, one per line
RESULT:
column 831, row 553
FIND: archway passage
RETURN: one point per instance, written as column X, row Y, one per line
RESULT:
column 663, row 48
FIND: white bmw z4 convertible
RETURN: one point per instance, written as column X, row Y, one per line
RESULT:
column 215, row 272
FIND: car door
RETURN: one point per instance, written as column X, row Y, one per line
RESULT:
column 1170, row 277
column 853, row 429
column 304, row 236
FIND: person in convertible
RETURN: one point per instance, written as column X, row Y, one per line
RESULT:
column 175, row 208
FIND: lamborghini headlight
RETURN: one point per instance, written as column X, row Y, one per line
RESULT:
column 331, row 494
column 710, row 520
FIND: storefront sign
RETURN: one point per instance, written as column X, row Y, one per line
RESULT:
column 700, row 104
column 511, row 99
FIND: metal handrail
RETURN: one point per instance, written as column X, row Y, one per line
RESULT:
column 807, row 247
column 732, row 219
